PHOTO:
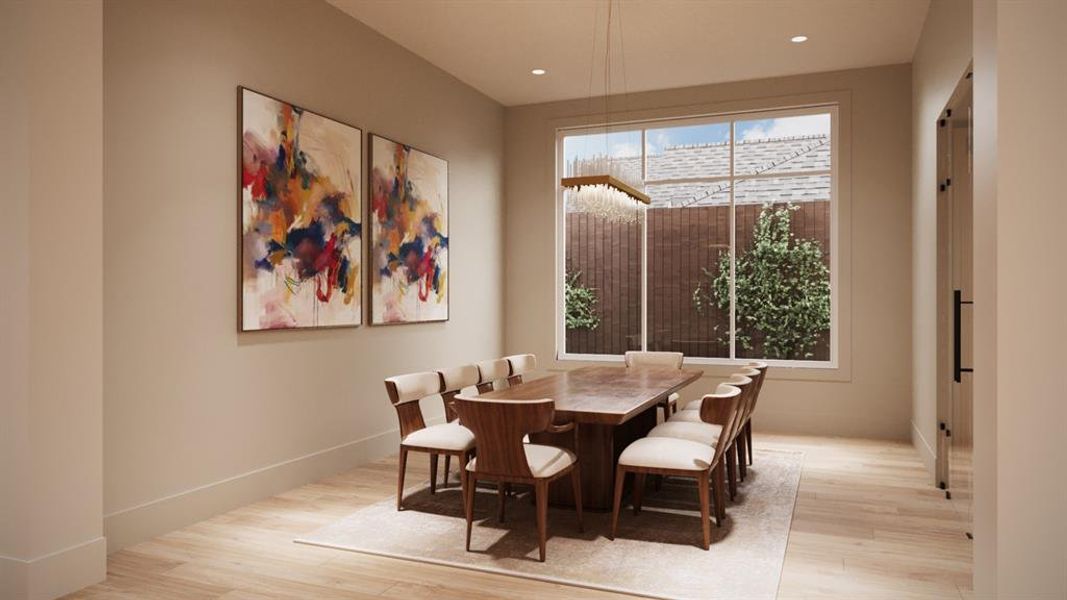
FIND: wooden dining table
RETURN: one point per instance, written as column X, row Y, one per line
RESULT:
column 612, row 407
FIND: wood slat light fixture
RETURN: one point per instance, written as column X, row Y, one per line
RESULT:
column 608, row 180
column 603, row 194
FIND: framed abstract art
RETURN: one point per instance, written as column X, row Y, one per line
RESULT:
column 408, row 234
column 301, row 217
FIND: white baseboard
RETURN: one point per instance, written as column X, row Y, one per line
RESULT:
column 138, row 523
column 55, row 574
column 926, row 452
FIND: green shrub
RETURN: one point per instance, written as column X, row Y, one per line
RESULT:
column 580, row 302
column 782, row 288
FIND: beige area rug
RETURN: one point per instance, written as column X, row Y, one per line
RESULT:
column 656, row 553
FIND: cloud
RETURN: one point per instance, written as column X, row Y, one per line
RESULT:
column 786, row 127
column 625, row 150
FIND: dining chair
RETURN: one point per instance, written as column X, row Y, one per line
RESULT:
column 672, row 360
column 450, row 439
column 695, row 427
column 520, row 365
column 683, row 458
column 747, row 423
column 454, row 380
column 499, row 426
column 490, row 372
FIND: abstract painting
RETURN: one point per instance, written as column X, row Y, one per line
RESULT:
column 301, row 245
column 409, row 234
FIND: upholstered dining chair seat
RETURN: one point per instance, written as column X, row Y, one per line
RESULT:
column 544, row 461
column 668, row 453
column 704, row 433
column 446, row 436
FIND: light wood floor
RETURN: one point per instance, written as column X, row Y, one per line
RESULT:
column 867, row 525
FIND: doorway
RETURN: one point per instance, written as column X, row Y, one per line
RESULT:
column 955, row 270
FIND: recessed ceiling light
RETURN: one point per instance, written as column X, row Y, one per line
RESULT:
column 798, row 39
column 538, row 71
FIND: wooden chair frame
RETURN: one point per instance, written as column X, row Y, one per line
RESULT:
column 675, row 360
column 739, row 445
column 464, row 377
column 409, row 413
column 720, row 409
column 499, row 427
column 518, row 366
column 491, row 371
column 762, row 368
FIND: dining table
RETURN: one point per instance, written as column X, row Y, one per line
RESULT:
column 611, row 407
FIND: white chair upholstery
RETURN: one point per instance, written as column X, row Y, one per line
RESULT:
column 636, row 358
column 446, row 436
column 704, row 433
column 521, row 364
column 668, row 453
column 491, row 371
column 673, row 360
column 458, row 378
column 416, row 386
column 544, row 461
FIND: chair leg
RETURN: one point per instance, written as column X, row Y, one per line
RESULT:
column 433, row 473
column 576, row 484
column 620, row 479
column 705, row 511
column 470, row 482
column 402, row 467
column 639, row 491
column 731, row 472
column 541, row 491
column 748, row 441
column 720, row 501
column 501, row 499
column 448, row 463
column 742, row 457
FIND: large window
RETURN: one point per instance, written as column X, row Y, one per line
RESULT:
column 732, row 259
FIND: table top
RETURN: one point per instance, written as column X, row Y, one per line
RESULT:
column 604, row 395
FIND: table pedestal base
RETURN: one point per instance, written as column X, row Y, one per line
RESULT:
column 599, row 447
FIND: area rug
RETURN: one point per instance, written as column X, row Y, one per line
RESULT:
column 656, row 553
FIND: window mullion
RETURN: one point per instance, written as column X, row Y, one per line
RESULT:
column 733, row 248
column 644, row 249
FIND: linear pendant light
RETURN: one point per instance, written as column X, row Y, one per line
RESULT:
column 604, row 195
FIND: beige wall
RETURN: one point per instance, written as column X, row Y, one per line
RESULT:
column 984, row 39
column 1031, row 284
column 199, row 418
column 51, row 323
column 870, row 395
column 941, row 59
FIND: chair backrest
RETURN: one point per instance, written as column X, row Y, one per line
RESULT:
column 491, row 371
column 454, row 380
column 637, row 358
column 746, row 385
column 762, row 368
column 499, row 426
column 722, row 408
column 519, row 365
column 405, row 391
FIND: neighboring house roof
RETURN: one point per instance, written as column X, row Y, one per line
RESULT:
column 781, row 155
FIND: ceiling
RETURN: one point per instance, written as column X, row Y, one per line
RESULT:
column 493, row 44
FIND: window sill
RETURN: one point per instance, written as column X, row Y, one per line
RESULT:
column 825, row 371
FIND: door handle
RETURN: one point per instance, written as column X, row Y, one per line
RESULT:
column 957, row 336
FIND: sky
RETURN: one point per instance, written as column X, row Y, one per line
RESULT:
column 628, row 143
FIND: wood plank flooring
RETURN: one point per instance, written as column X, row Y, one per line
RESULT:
column 867, row 525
